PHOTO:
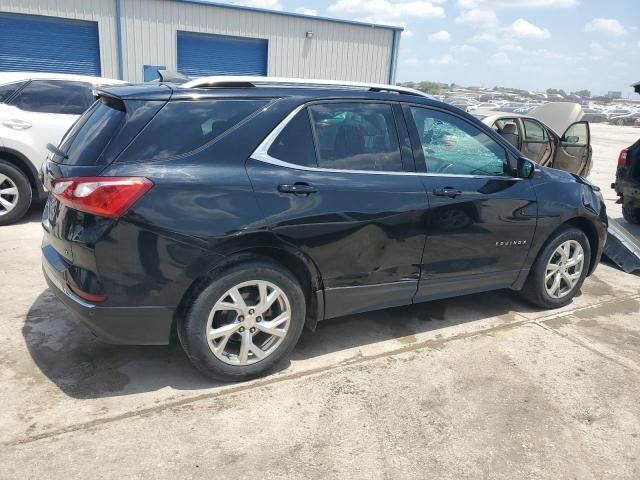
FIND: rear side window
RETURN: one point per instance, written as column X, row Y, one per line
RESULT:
column 356, row 136
column 183, row 126
column 295, row 142
column 54, row 96
column 9, row 89
column 87, row 138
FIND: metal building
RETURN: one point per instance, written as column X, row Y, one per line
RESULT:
column 131, row 39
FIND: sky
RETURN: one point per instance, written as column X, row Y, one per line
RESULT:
column 528, row 44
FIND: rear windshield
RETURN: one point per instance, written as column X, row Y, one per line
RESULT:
column 8, row 89
column 183, row 126
column 88, row 137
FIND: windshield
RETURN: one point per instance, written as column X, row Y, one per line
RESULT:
column 87, row 138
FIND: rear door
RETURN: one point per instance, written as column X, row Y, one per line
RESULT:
column 333, row 184
column 574, row 150
column 481, row 219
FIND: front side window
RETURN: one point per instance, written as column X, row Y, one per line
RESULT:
column 54, row 96
column 453, row 146
column 577, row 134
column 356, row 136
column 185, row 125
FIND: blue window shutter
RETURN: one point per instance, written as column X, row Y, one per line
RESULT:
column 48, row 44
column 203, row 54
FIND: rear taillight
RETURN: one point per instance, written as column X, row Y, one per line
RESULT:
column 107, row 197
column 622, row 158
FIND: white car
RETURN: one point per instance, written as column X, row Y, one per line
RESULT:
column 35, row 109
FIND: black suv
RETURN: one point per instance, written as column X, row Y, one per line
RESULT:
column 235, row 213
column 627, row 184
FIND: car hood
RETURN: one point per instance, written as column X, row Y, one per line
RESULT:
column 558, row 115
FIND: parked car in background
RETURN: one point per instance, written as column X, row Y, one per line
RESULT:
column 627, row 184
column 627, row 119
column 35, row 109
column 538, row 141
column 592, row 115
column 236, row 215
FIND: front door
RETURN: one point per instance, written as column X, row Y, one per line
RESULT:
column 573, row 154
column 481, row 218
column 333, row 185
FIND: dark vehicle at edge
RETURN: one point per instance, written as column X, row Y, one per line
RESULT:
column 627, row 184
column 235, row 216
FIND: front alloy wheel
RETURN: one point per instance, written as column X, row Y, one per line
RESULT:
column 248, row 322
column 559, row 270
column 564, row 269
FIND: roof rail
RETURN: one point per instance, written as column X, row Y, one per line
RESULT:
column 248, row 81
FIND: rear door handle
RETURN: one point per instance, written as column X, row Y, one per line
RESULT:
column 297, row 188
column 447, row 192
column 16, row 124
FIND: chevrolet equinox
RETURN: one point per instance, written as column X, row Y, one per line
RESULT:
column 235, row 211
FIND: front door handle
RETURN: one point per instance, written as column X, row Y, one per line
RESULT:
column 16, row 124
column 297, row 188
column 447, row 192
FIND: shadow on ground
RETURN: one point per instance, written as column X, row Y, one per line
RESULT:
column 84, row 367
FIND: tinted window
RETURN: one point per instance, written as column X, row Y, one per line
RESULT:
column 295, row 142
column 356, row 136
column 183, row 126
column 451, row 145
column 534, row 132
column 88, row 137
column 55, row 96
column 7, row 90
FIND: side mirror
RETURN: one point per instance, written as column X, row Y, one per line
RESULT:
column 571, row 139
column 526, row 168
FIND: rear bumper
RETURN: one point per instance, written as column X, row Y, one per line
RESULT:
column 118, row 325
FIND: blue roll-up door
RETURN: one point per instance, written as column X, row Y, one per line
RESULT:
column 48, row 44
column 202, row 54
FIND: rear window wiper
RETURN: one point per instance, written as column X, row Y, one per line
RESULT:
column 53, row 149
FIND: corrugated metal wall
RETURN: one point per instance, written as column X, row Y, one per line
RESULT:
column 336, row 51
column 101, row 11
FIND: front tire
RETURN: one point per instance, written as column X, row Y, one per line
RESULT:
column 15, row 193
column 244, row 322
column 559, row 270
column 631, row 214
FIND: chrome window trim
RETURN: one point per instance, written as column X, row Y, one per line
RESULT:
column 261, row 154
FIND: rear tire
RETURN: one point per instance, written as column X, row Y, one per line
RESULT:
column 244, row 322
column 620, row 122
column 558, row 272
column 631, row 214
column 15, row 193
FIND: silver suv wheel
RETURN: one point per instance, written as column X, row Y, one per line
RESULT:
column 564, row 269
column 248, row 323
column 8, row 195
